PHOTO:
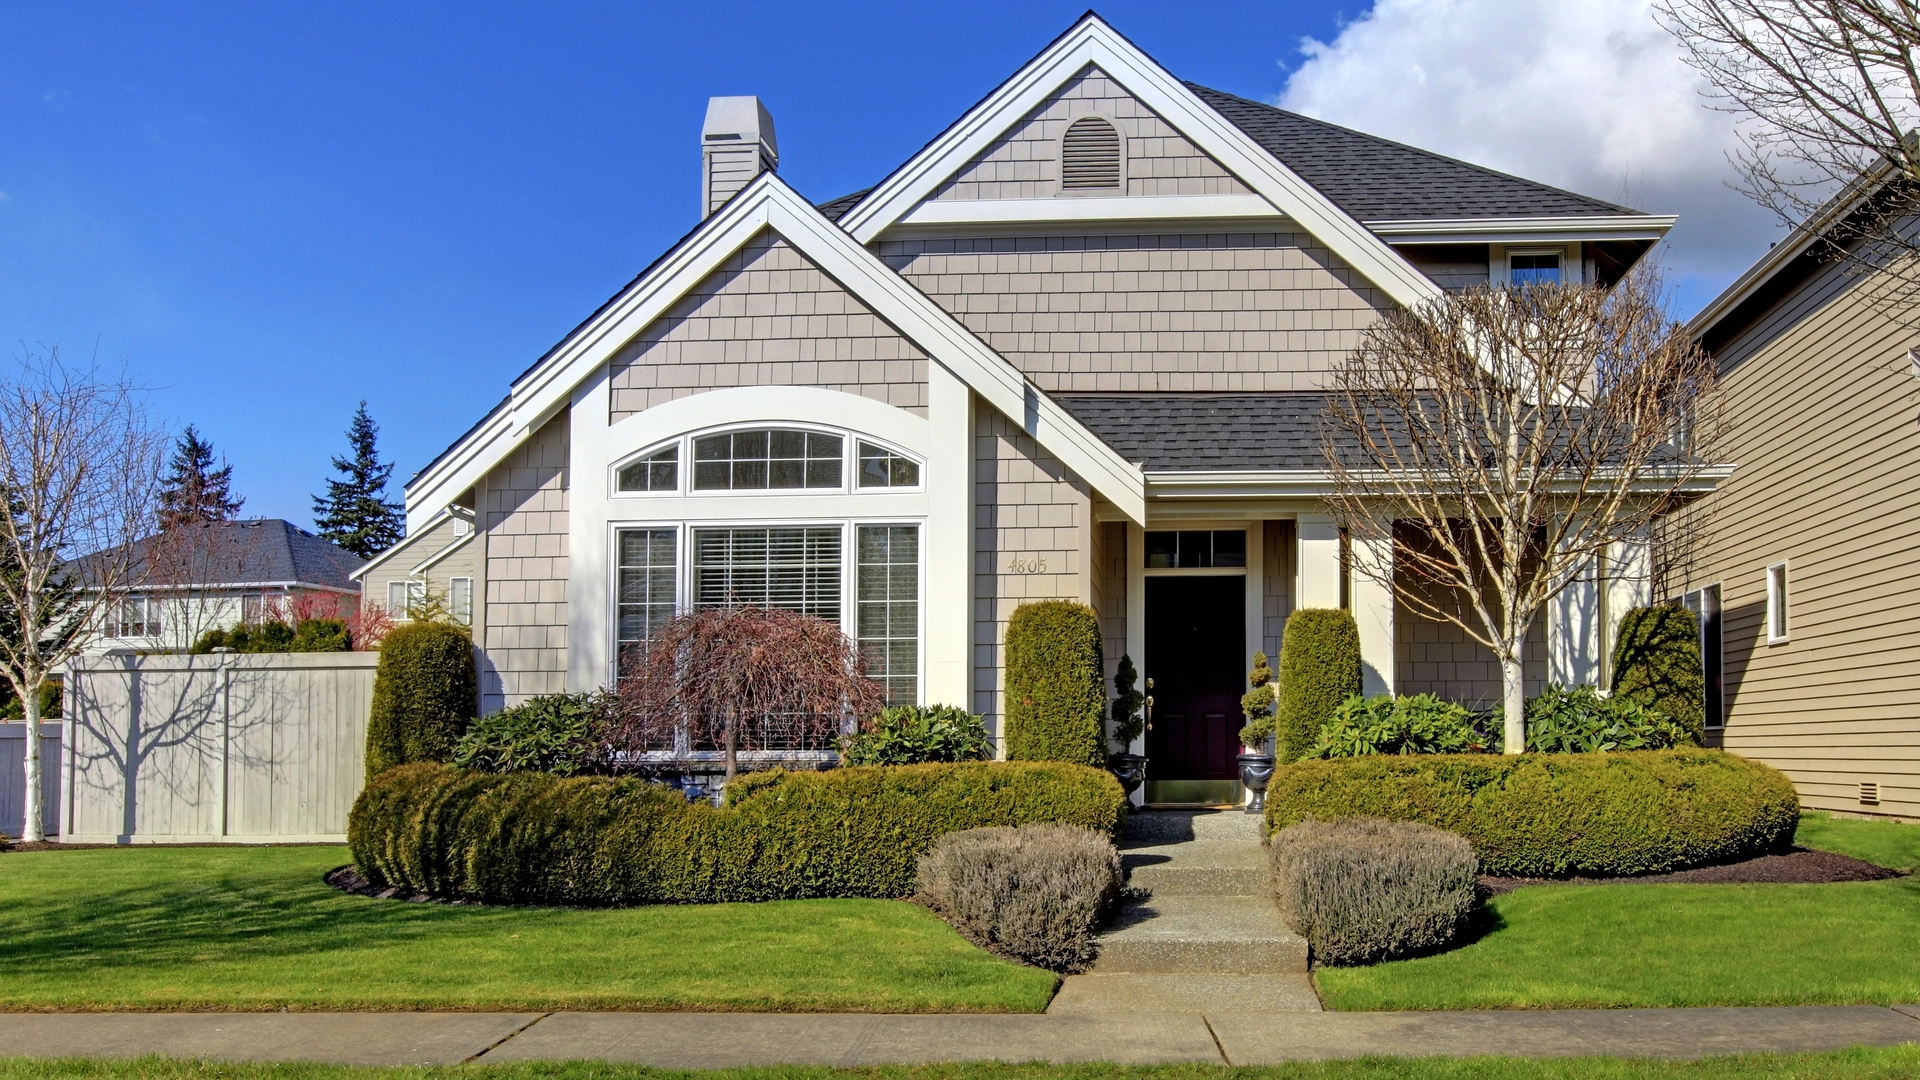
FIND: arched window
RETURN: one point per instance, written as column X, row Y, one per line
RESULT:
column 1090, row 155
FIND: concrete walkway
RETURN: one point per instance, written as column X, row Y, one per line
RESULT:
column 722, row 1040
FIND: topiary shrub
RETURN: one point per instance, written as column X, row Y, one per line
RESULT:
column 912, row 734
column 1557, row 815
column 534, row 838
column 423, row 695
column 1412, row 724
column 562, row 734
column 1364, row 889
column 1319, row 669
column 1657, row 664
column 1054, row 684
column 1580, row 721
column 1257, row 704
column 1033, row 893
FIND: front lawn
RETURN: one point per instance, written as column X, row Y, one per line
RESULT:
column 256, row 928
column 1580, row 946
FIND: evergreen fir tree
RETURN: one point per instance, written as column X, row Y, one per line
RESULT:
column 355, row 512
column 194, row 491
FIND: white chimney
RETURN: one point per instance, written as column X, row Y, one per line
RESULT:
column 736, row 145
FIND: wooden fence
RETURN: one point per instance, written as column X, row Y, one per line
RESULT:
column 246, row 748
column 13, row 777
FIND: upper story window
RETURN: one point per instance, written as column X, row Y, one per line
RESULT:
column 139, row 617
column 767, row 459
column 881, row 467
column 1090, row 155
column 1534, row 268
column 1196, row 549
column 655, row 472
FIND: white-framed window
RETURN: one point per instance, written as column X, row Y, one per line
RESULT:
column 797, row 568
column 1195, row 549
column 771, row 459
column 139, row 617
column 460, row 600
column 253, row 609
column 402, row 595
column 1534, row 267
column 1704, row 603
column 887, row 608
column 1777, row 621
column 658, row 471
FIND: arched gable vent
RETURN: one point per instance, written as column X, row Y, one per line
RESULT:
column 1090, row 155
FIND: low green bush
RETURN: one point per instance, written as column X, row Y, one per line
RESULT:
column 12, row 708
column 423, row 695
column 1413, row 724
column 320, row 635
column 1363, row 889
column 1580, row 721
column 1034, row 893
column 1556, row 815
column 1055, row 684
column 275, row 636
column 1319, row 669
column 595, row 841
column 912, row 734
column 562, row 734
column 1657, row 664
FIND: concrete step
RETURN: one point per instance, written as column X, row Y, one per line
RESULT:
column 1176, row 826
column 1215, row 935
column 1199, row 868
column 1130, row 993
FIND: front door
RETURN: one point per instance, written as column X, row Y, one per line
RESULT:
column 1195, row 639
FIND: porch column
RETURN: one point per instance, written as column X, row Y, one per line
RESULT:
column 1316, row 562
column 1373, row 611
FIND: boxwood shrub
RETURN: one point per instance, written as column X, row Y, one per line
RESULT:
column 423, row 695
column 1319, row 669
column 1055, row 684
column 1557, row 815
column 1657, row 664
column 595, row 840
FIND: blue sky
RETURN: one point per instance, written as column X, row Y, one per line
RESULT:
column 268, row 212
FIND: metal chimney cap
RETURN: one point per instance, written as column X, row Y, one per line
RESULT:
column 741, row 120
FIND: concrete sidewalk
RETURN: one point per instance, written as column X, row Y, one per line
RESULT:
column 721, row 1040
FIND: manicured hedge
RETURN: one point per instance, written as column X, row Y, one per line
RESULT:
column 538, row 838
column 1557, row 815
column 1055, row 690
column 423, row 695
column 1319, row 669
column 1657, row 664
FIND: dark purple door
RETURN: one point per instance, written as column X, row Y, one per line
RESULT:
column 1196, row 632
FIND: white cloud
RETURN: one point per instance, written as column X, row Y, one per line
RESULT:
column 1588, row 95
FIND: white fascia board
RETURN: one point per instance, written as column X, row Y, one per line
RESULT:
column 1093, row 42
column 1524, row 230
column 1310, row 483
column 768, row 203
column 1076, row 210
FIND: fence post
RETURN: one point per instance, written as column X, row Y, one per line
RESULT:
column 226, row 737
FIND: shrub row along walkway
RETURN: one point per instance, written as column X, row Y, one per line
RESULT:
column 728, row 1040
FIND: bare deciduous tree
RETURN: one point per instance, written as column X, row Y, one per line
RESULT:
column 742, row 678
column 1828, row 94
column 1501, row 439
column 79, row 469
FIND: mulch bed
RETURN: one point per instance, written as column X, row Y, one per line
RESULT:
column 348, row 880
column 1799, row 867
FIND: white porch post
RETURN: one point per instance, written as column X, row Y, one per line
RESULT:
column 1574, row 640
column 1373, row 611
column 1317, row 562
column 948, row 610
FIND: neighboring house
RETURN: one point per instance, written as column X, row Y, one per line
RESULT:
column 1807, row 568
column 436, row 559
column 195, row 578
column 1073, row 348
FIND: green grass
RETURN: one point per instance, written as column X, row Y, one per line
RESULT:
column 1892, row 1063
column 256, row 928
column 1589, row 946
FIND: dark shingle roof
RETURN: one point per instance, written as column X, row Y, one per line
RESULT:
column 833, row 208
column 1206, row 431
column 248, row 552
column 1374, row 179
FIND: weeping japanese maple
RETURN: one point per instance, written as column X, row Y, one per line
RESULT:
column 740, row 679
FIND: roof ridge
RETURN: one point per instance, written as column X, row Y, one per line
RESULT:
column 1408, row 147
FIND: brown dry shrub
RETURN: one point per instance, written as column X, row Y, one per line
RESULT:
column 1365, row 889
column 1032, row 893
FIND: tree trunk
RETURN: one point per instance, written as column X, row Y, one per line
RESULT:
column 1513, row 700
column 733, row 757
column 32, row 829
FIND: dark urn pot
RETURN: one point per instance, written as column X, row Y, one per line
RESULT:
column 1129, row 769
column 1256, row 768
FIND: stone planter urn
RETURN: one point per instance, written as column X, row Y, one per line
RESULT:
column 1130, row 770
column 1256, row 768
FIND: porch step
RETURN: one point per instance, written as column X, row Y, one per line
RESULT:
column 1218, row 935
column 1156, row 827
column 1198, row 868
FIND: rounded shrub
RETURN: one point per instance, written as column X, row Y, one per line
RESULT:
column 1558, row 815
column 912, row 734
column 1657, row 664
column 1411, row 724
column 1319, row 669
column 423, row 695
column 593, row 840
column 320, row 635
column 1055, row 692
column 562, row 734
column 1364, row 889
column 1033, row 893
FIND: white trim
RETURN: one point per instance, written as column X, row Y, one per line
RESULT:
column 1523, row 230
column 1309, row 483
column 851, row 439
column 1779, row 603
column 1091, row 42
column 1092, row 208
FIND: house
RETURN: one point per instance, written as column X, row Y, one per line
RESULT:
column 1072, row 348
column 1804, row 576
column 195, row 578
column 436, row 561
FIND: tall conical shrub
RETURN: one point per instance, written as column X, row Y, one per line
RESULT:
column 423, row 695
column 1055, row 695
column 1656, row 662
column 1319, row 669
